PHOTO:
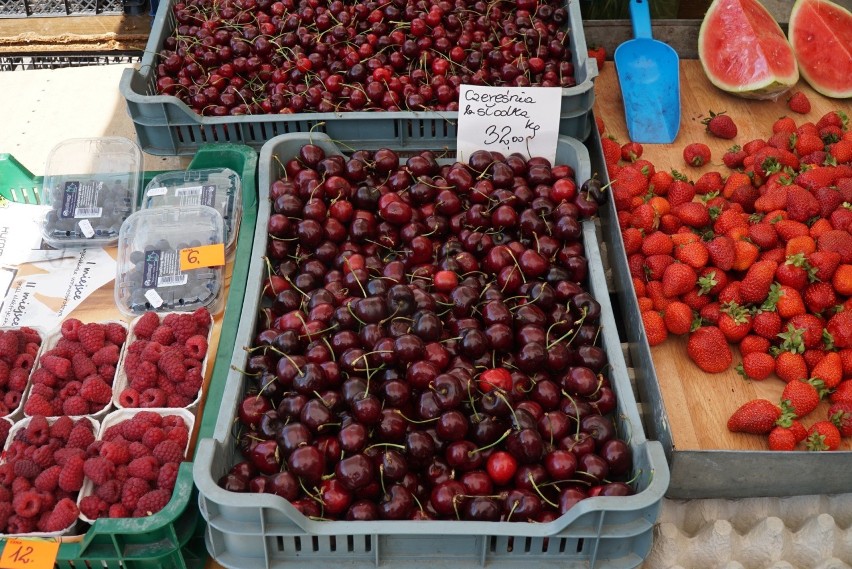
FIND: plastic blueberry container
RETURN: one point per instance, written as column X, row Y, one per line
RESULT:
column 219, row 188
column 149, row 274
column 91, row 185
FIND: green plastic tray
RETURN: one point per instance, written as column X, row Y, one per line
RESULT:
column 174, row 537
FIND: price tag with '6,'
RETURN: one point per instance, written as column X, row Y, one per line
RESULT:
column 29, row 554
column 508, row 120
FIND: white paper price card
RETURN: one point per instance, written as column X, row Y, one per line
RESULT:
column 509, row 119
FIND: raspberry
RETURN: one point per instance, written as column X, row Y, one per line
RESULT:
column 113, row 433
column 116, row 333
column 83, row 366
column 30, row 335
column 48, row 500
column 138, row 450
column 163, row 335
column 58, row 366
column 5, row 495
column 8, row 344
column 96, row 390
column 180, row 435
column 92, row 337
column 24, row 361
column 4, row 373
column 12, row 400
column 37, row 405
column 37, row 431
column 116, row 453
column 129, row 398
column 145, row 467
column 4, row 432
column 64, row 515
column 133, row 489
column 5, row 512
column 152, row 398
column 43, row 377
column 7, row 473
column 176, row 401
column 173, row 422
column 94, row 449
column 168, row 451
column 118, row 511
column 17, row 524
column 67, row 348
column 152, row 352
column 48, row 480
column 132, row 430
column 184, row 328
column 43, row 390
column 98, row 469
column 75, row 405
column 144, row 377
column 108, row 355
column 137, row 347
column 27, row 468
column 18, row 379
column 107, row 372
column 27, row 504
column 61, row 428
column 149, row 418
column 121, row 473
column 109, row 491
column 63, row 455
column 93, row 507
column 168, row 476
column 195, row 347
column 20, row 484
column 166, row 384
column 146, row 324
column 81, row 435
column 71, row 477
column 202, row 318
column 70, row 328
column 192, row 384
column 192, row 363
column 43, row 456
column 152, row 502
column 153, row 436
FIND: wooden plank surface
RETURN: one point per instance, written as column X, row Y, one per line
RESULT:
column 73, row 33
column 699, row 404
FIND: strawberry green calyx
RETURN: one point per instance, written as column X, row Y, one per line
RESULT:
column 827, row 340
column 787, row 416
column 793, row 340
column 707, row 282
column 816, row 442
column 772, row 298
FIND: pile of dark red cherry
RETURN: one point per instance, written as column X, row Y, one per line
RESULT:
column 426, row 349
column 237, row 57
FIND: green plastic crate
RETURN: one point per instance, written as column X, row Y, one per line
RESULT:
column 174, row 537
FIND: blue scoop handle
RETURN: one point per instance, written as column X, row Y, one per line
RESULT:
column 640, row 15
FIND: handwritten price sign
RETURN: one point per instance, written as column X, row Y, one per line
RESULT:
column 204, row 256
column 29, row 554
column 509, row 119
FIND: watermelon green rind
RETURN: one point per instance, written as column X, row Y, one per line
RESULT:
column 744, row 51
column 821, row 35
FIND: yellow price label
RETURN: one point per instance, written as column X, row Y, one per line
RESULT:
column 29, row 554
column 204, row 256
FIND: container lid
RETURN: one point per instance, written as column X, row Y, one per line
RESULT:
column 91, row 186
column 171, row 259
column 219, row 188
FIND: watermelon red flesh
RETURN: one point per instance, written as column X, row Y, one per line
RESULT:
column 821, row 36
column 744, row 51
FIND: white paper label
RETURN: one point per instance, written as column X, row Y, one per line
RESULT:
column 154, row 298
column 161, row 191
column 508, row 120
column 86, row 228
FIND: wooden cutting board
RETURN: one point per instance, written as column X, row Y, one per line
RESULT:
column 699, row 404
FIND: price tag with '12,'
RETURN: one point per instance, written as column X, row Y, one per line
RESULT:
column 29, row 554
column 508, row 120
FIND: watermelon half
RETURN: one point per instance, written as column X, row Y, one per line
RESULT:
column 821, row 36
column 744, row 52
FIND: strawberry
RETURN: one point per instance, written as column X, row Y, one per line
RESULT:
column 763, row 235
column 790, row 366
column 755, row 285
column 678, row 318
column 793, row 272
column 766, row 324
column 735, row 322
column 823, row 436
column 799, row 103
column 789, row 303
column 677, row 279
column 745, row 254
column 819, row 296
column 657, row 243
column 644, row 218
column 631, row 151
column 829, row 200
column 839, row 241
column 789, row 228
column 655, row 327
column 720, row 125
column 733, row 157
column 754, row 343
column 801, row 397
column 709, row 183
column 680, row 192
column 711, row 313
column 781, row 439
column 808, row 143
column 655, row 266
column 839, row 327
column 757, row 366
column 694, row 254
column 757, row 417
column 694, row 299
column 709, row 350
column 598, row 53
column 801, row 204
column 829, row 370
column 775, row 198
column 722, row 252
column 696, row 154
column 611, row 151
column 822, row 265
column 817, row 177
column 841, row 415
column 841, row 217
column 692, row 214
column 836, row 118
column 731, row 293
column 810, row 327
column 784, row 124
column 842, row 280
column 843, row 392
column 633, row 240
column 712, row 281
column 841, row 151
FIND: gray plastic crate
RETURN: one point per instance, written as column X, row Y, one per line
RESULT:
column 265, row 531
column 707, row 473
column 167, row 126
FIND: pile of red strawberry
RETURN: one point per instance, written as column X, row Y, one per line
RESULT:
column 134, row 465
column 164, row 362
column 42, row 473
column 75, row 376
column 759, row 256
column 18, row 349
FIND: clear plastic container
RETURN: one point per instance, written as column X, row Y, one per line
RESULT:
column 92, row 186
column 149, row 274
column 219, row 188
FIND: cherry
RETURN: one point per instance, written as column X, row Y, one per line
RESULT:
column 501, row 467
column 498, row 378
column 307, row 462
column 355, row 471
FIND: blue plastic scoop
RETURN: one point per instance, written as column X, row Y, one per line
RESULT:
column 649, row 74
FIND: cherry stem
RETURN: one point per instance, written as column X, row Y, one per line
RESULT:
column 537, row 491
column 376, row 445
column 416, row 422
column 495, row 443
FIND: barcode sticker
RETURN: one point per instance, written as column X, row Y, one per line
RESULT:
column 88, row 212
column 172, row 280
column 86, row 228
column 161, row 191
column 155, row 299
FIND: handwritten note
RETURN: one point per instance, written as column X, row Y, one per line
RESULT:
column 509, row 119
column 29, row 554
column 204, row 256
